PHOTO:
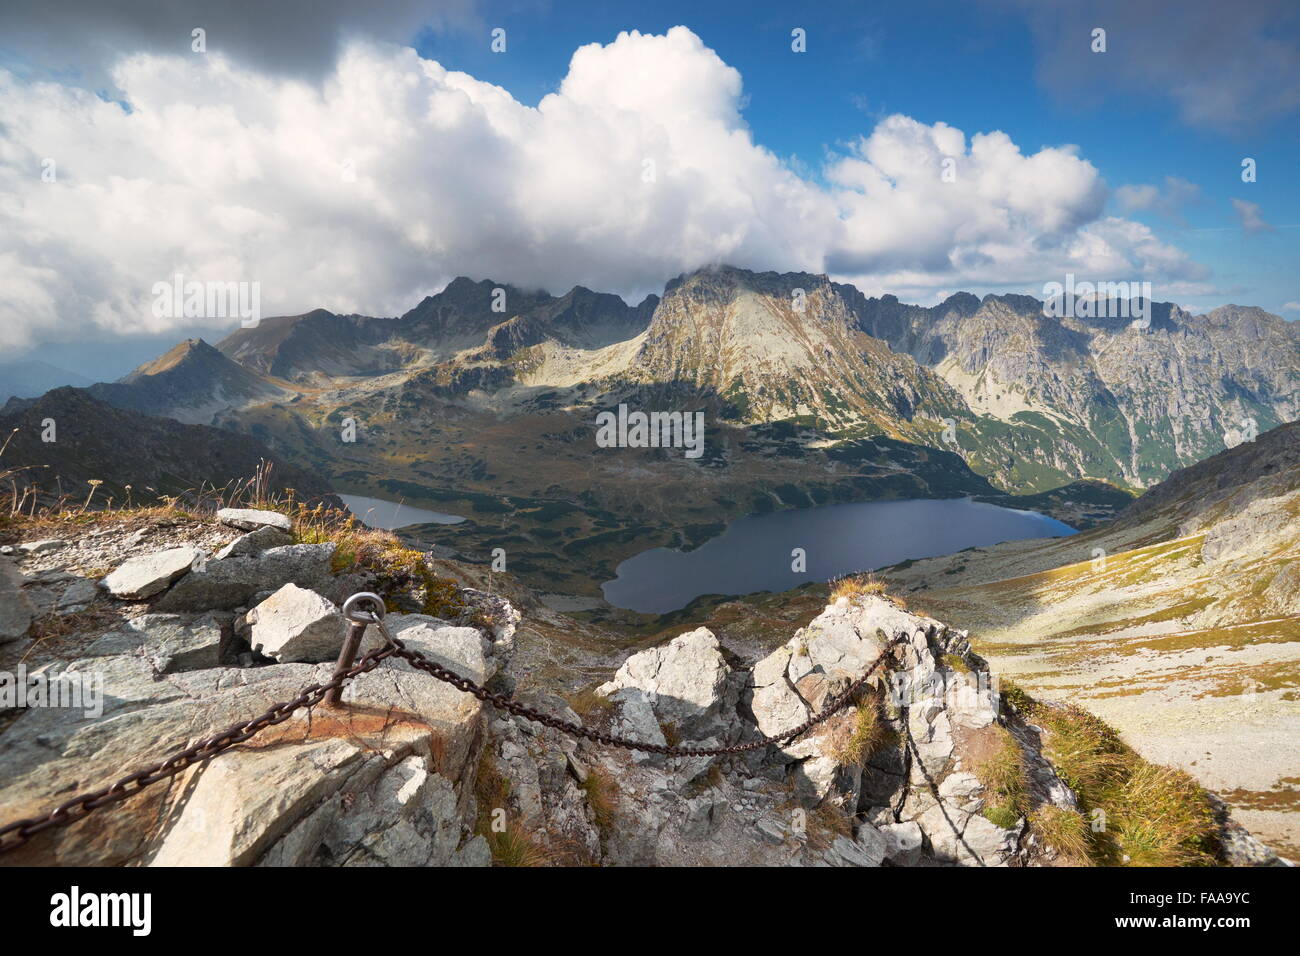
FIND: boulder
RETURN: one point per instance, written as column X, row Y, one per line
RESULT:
column 173, row 643
column 250, row 519
column 463, row 650
column 254, row 543
column 296, row 625
column 687, row 684
column 903, row 843
column 78, row 594
column 142, row 577
column 232, row 582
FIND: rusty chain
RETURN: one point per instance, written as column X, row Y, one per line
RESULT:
column 14, row 835
column 837, row 703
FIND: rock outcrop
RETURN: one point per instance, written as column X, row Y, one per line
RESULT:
column 413, row 771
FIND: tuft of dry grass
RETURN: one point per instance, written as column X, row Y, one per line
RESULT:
column 1164, row 819
column 825, row 823
column 1005, row 779
column 586, row 703
column 399, row 571
column 869, row 731
column 602, row 797
column 1065, row 831
column 1151, row 815
column 857, row 585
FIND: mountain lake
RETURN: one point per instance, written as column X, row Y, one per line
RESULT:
column 755, row 552
column 389, row 515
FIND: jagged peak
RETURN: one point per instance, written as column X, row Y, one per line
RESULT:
column 187, row 352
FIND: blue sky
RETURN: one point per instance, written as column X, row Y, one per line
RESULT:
column 224, row 164
column 972, row 65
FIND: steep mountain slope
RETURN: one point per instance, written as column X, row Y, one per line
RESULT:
column 118, row 447
column 1097, row 396
column 314, row 347
column 784, row 346
column 1179, row 622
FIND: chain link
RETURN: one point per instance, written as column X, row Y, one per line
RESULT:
column 14, row 835
column 836, row 704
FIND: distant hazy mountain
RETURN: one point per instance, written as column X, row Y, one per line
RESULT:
column 29, row 378
column 120, row 447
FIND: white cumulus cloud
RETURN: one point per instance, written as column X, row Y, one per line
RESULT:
column 392, row 175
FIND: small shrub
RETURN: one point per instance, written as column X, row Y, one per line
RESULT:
column 1003, row 816
column 955, row 663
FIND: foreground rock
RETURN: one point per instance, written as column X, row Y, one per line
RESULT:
column 412, row 771
column 906, row 796
column 384, row 781
column 296, row 625
column 233, row 582
column 171, row 643
column 147, row 575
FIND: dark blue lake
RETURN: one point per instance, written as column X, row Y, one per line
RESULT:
column 754, row 553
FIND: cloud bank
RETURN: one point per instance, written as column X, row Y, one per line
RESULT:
column 392, row 175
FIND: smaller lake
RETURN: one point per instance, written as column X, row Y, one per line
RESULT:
column 754, row 553
column 378, row 513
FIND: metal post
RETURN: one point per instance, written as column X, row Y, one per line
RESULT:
column 358, row 619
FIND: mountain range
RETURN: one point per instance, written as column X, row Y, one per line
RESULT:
column 481, row 401
column 1034, row 401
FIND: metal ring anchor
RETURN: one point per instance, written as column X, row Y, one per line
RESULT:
column 358, row 619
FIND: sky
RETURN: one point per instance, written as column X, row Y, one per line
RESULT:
column 356, row 157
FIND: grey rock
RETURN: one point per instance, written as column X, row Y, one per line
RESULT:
column 45, row 544
column 16, row 609
column 872, row 843
column 254, row 543
column 79, row 593
column 250, row 519
column 171, row 643
column 228, row 583
column 143, row 577
column 296, row 625
column 687, row 684
column 903, row 843
column 845, row 852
